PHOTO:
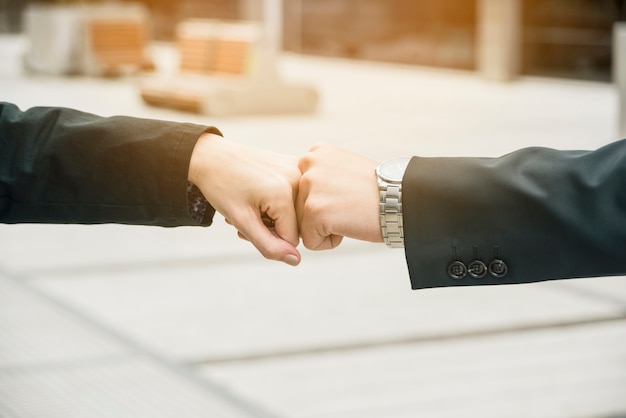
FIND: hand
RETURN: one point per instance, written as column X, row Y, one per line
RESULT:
column 338, row 197
column 246, row 186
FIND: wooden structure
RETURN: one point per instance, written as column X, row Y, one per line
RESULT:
column 226, row 69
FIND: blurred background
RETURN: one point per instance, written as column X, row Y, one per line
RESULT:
column 128, row 321
column 566, row 38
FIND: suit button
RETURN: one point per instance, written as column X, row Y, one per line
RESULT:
column 498, row 268
column 477, row 269
column 457, row 270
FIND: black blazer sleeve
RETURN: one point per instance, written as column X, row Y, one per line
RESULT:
column 64, row 166
column 535, row 214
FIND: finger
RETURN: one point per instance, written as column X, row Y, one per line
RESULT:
column 307, row 160
column 269, row 245
column 267, row 222
column 306, row 214
column 285, row 221
column 314, row 237
column 331, row 242
column 317, row 146
column 301, row 197
column 310, row 217
column 304, row 163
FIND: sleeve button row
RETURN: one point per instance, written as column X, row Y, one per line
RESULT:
column 457, row 270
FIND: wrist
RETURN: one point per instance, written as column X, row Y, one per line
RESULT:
column 203, row 152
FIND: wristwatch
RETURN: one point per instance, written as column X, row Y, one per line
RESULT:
column 390, row 175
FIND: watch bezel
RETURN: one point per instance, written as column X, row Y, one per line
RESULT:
column 386, row 171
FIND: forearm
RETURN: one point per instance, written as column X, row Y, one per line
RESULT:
column 547, row 214
column 65, row 166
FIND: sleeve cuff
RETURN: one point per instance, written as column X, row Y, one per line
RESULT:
column 199, row 208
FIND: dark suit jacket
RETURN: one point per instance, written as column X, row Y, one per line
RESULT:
column 535, row 214
column 64, row 166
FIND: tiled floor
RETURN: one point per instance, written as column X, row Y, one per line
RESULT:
column 54, row 362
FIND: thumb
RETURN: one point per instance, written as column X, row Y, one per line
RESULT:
column 267, row 240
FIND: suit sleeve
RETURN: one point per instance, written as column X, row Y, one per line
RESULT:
column 60, row 165
column 532, row 215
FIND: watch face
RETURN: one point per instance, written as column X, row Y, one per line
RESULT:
column 392, row 171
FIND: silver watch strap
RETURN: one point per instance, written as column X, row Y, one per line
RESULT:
column 391, row 214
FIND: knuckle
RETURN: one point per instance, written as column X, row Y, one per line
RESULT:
column 317, row 146
column 304, row 163
column 308, row 160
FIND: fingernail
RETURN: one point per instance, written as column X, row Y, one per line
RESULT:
column 291, row 259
